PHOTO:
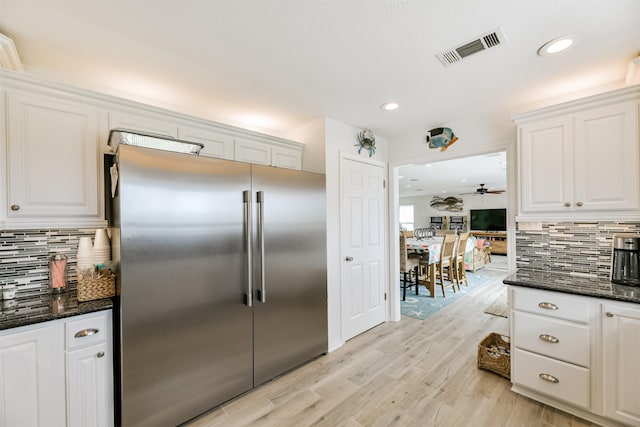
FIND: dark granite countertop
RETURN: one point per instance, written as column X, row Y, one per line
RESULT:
column 33, row 308
column 573, row 284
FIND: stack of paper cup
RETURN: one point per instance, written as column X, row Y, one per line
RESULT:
column 101, row 247
column 84, row 258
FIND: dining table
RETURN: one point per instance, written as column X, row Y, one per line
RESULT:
column 429, row 249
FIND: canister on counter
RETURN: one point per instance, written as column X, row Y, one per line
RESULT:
column 58, row 273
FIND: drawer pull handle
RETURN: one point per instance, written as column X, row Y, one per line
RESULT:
column 15, row 207
column 609, row 314
column 548, row 306
column 86, row 332
column 100, row 354
column 549, row 378
column 549, row 338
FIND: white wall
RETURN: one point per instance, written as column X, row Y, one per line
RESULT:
column 422, row 210
column 313, row 136
column 333, row 138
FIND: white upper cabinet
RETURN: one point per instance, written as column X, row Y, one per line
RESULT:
column 216, row 144
column 266, row 153
column 54, row 138
column 545, row 148
column 52, row 161
column 143, row 123
column 581, row 159
column 606, row 158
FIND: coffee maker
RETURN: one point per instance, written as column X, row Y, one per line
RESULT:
column 625, row 262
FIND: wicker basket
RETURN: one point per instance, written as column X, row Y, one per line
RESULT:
column 90, row 288
column 494, row 354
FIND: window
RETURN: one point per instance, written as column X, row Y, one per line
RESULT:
column 406, row 217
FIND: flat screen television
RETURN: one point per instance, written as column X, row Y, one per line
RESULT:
column 488, row 219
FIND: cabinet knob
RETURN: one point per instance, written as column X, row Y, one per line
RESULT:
column 15, row 207
column 567, row 205
column 609, row 314
column 349, row 258
column 579, row 204
column 100, row 354
column 549, row 378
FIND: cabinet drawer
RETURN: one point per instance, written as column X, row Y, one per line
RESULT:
column 572, row 381
column 86, row 330
column 552, row 337
column 552, row 304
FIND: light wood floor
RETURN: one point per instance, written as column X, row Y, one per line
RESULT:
column 408, row 373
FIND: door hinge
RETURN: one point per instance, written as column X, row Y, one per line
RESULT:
column 385, row 296
column 384, row 183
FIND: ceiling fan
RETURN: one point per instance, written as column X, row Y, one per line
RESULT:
column 481, row 190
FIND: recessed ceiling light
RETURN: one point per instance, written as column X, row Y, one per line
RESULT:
column 389, row 106
column 556, row 46
column 463, row 180
column 400, row 176
column 444, row 191
column 427, row 166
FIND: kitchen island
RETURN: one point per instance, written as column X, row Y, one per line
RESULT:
column 575, row 344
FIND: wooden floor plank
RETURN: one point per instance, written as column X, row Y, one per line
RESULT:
column 410, row 373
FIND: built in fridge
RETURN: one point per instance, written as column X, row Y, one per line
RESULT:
column 221, row 270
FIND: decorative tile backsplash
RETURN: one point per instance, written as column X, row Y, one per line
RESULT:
column 582, row 247
column 25, row 255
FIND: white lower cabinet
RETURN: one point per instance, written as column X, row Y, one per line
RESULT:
column 579, row 354
column 32, row 376
column 621, row 351
column 88, row 401
column 47, row 379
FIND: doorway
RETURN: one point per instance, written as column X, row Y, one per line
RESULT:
column 428, row 190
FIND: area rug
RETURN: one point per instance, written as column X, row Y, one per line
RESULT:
column 422, row 305
column 499, row 307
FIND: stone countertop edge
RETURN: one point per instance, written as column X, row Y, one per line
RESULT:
column 573, row 284
column 29, row 310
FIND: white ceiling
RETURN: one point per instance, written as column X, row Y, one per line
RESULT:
column 454, row 177
column 273, row 65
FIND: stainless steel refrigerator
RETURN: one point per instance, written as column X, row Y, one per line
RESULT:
column 221, row 277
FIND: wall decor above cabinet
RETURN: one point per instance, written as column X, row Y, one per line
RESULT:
column 580, row 159
column 54, row 137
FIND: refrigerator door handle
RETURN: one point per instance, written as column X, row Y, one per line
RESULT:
column 246, row 199
column 263, row 291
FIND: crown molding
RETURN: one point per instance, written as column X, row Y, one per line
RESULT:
column 9, row 58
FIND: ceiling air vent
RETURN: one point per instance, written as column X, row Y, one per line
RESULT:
column 484, row 42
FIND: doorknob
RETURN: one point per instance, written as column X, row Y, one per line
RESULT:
column 349, row 258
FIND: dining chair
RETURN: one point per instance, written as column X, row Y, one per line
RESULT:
column 408, row 269
column 458, row 268
column 446, row 263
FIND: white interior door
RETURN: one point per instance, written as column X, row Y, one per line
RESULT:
column 363, row 228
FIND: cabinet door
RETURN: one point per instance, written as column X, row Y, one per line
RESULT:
column 146, row 124
column 286, row 158
column 606, row 158
column 546, row 171
column 89, row 399
column 52, row 158
column 621, row 353
column 250, row 151
column 32, row 387
column 216, row 144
